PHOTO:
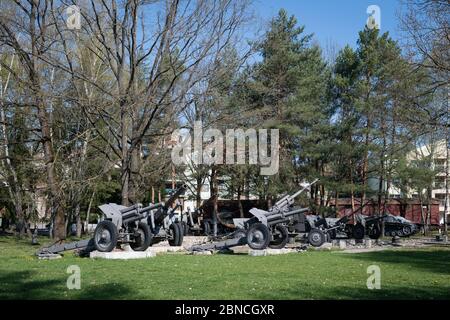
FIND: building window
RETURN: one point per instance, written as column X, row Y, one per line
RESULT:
column 439, row 183
column 441, row 198
column 439, row 165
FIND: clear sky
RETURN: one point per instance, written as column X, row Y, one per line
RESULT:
column 333, row 21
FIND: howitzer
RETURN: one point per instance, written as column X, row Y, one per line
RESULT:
column 135, row 225
column 265, row 228
column 287, row 201
column 162, row 210
column 139, row 226
column 163, row 222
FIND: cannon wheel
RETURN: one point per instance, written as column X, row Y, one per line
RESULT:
column 144, row 238
column 183, row 232
column 316, row 237
column 185, row 228
column 358, row 231
column 375, row 233
column 407, row 230
column 349, row 230
column 258, row 236
column 176, row 232
column 105, row 236
column 280, row 237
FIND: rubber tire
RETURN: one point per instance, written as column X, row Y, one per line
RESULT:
column 177, row 233
column 349, row 231
column 280, row 244
column 316, row 237
column 264, row 230
column 375, row 233
column 111, row 228
column 185, row 228
column 359, row 231
column 182, row 233
column 407, row 230
column 143, row 245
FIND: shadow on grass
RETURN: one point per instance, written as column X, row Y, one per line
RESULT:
column 21, row 285
column 431, row 261
column 17, row 285
column 105, row 292
column 351, row 293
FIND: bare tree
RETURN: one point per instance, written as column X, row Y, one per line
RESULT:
column 152, row 69
column 28, row 30
column 426, row 25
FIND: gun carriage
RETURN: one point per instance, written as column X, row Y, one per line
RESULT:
column 136, row 225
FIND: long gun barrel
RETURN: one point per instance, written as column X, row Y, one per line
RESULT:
column 136, row 212
column 159, row 215
column 284, row 203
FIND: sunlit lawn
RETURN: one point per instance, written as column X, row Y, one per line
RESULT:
column 405, row 274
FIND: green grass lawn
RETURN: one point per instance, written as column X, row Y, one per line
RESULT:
column 405, row 274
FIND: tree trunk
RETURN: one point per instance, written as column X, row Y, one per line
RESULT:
column 125, row 163
column 365, row 164
column 422, row 214
column 59, row 216
column 241, row 209
column 446, row 204
column 78, row 219
column 198, row 191
column 14, row 187
column 215, row 194
column 88, row 213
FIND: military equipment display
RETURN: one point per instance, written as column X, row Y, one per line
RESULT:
column 136, row 225
column 332, row 227
column 393, row 226
column 191, row 223
column 266, row 228
column 365, row 226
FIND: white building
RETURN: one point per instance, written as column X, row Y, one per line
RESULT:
column 438, row 152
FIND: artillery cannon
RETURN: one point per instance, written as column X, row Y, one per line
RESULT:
column 266, row 228
column 136, row 225
column 139, row 226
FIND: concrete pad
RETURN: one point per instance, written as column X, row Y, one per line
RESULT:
column 189, row 241
column 122, row 255
column 49, row 256
column 202, row 253
column 164, row 249
column 325, row 246
column 240, row 249
column 269, row 252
